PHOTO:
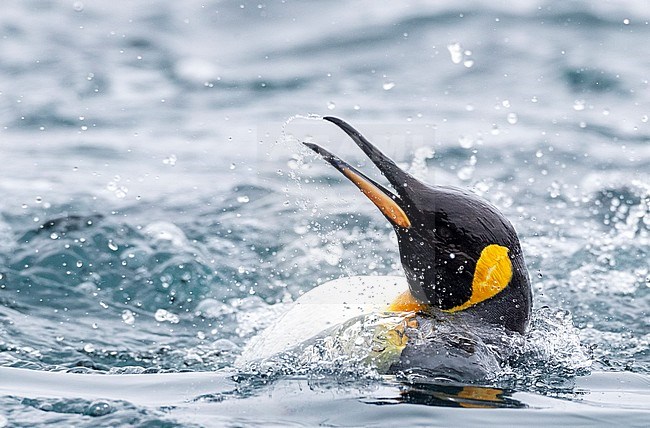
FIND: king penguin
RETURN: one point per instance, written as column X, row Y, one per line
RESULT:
column 463, row 268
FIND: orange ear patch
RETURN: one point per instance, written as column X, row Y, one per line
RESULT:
column 493, row 273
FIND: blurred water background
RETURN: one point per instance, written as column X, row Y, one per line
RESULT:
column 157, row 207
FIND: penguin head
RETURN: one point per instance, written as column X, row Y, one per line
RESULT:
column 459, row 253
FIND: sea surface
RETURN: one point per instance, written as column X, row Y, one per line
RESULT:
column 157, row 209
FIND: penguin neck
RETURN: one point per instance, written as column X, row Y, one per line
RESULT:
column 510, row 308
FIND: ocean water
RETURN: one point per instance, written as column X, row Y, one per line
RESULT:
column 158, row 209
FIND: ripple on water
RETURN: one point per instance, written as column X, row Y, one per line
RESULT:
column 71, row 411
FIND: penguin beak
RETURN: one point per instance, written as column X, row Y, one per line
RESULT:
column 391, row 205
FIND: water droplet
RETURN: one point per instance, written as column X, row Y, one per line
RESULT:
column 388, row 86
column 495, row 130
column 579, row 105
column 331, row 105
column 89, row 348
column 626, row 21
column 162, row 315
column 39, row 199
column 644, row 118
column 456, row 52
column 466, row 142
column 300, row 229
column 465, row 173
column 468, row 63
column 200, row 335
column 243, row 199
column 233, row 166
column 121, row 192
column 512, row 118
column 127, row 317
column 98, row 408
column 53, row 235
column 112, row 245
column 78, row 6
column 79, row 263
column 170, row 160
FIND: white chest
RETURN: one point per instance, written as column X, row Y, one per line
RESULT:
column 325, row 306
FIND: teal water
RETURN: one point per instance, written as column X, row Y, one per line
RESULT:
column 158, row 210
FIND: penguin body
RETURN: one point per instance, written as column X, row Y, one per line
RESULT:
column 465, row 281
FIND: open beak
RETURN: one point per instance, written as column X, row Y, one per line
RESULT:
column 389, row 204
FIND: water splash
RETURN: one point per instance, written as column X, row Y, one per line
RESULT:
column 435, row 347
column 550, row 350
column 459, row 55
column 290, row 139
